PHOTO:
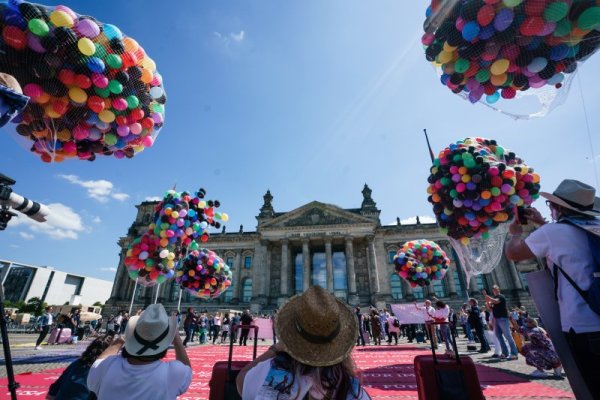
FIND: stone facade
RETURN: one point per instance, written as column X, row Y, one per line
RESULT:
column 347, row 251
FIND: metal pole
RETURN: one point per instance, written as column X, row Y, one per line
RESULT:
column 12, row 385
column 179, row 302
column 157, row 290
column 132, row 297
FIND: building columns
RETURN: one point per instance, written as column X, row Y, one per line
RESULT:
column 305, row 265
column 514, row 274
column 285, row 273
column 450, row 279
column 237, row 267
column 267, row 269
column 351, row 272
column 372, row 266
column 329, row 265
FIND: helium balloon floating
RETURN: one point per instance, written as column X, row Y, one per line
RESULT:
column 496, row 51
column 420, row 262
column 93, row 90
column 203, row 273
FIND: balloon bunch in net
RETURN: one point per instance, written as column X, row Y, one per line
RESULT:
column 475, row 185
column 94, row 91
column 181, row 221
column 203, row 273
column 492, row 49
column 420, row 262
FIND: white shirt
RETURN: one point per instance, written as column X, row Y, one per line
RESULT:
column 441, row 314
column 568, row 247
column 115, row 378
column 50, row 320
column 261, row 380
column 428, row 312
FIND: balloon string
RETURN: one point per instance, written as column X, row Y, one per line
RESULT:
column 589, row 133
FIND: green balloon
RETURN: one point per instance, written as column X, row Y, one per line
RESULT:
column 161, row 279
column 38, row 27
column 482, row 75
column 495, row 191
column 461, row 65
column 110, row 139
column 156, row 107
column 133, row 274
column 100, row 51
column 114, row 61
column 115, row 86
column 556, row 11
column 149, row 262
column 132, row 102
column 589, row 19
column 563, row 27
column 453, row 193
column 512, row 3
column 470, row 163
column 102, row 92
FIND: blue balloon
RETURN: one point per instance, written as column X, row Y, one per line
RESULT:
column 492, row 98
column 471, row 31
column 95, row 64
column 112, row 32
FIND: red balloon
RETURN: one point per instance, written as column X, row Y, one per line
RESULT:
column 66, row 76
column 60, row 106
column 486, row 15
column 532, row 26
column 83, row 81
column 14, row 37
column 95, row 103
column 535, row 7
column 508, row 93
column 147, row 123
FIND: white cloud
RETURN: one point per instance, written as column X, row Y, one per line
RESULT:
column 109, row 269
column 62, row 223
column 26, row 236
column 153, row 198
column 424, row 219
column 237, row 37
column 96, row 220
column 100, row 190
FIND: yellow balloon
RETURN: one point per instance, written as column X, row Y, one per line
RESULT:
column 86, row 46
column 499, row 67
column 149, row 64
column 224, row 217
column 448, row 48
column 107, row 116
column 78, row 95
column 444, row 57
column 61, row 18
column 63, row 135
column 50, row 111
column 498, row 80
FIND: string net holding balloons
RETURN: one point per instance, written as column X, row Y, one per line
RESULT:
column 481, row 256
column 93, row 90
column 516, row 57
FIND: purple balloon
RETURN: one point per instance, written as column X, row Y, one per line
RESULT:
column 503, row 19
column 35, row 43
column 87, row 28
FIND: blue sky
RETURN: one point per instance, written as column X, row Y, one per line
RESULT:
column 309, row 99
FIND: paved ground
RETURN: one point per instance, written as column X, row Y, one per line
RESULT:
column 27, row 359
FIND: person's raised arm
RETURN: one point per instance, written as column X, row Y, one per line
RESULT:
column 489, row 299
column 417, row 307
column 180, row 353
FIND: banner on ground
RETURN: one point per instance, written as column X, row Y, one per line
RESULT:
column 265, row 328
column 408, row 313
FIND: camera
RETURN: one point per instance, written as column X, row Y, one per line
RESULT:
column 9, row 199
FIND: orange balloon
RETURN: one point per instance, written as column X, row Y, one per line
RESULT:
column 147, row 75
column 130, row 44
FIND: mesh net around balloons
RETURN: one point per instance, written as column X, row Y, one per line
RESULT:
column 481, row 256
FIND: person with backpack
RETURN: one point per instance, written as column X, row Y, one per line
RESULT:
column 571, row 247
column 393, row 328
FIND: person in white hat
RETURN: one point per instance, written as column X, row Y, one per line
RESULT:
column 138, row 372
column 316, row 335
column 566, row 248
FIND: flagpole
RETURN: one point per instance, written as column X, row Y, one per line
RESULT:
column 132, row 297
column 429, row 145
column 179, row 302
column 157, row 290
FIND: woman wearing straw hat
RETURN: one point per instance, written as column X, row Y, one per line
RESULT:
column 138, row 373
column 317, row 333
column 570, row 257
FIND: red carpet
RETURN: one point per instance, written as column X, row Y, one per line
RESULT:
column 387, row 374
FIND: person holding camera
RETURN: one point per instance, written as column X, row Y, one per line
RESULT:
column 570, row 245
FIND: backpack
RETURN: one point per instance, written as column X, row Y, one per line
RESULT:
column 592, row 295
column 396, row 323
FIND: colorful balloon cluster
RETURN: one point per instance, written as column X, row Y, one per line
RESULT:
column 93, row 90
column 420, row 262
column 475, row 184
column 497, row 48
column 180, row 222
column 203, row 273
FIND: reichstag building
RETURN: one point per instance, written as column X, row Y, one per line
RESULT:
column 347, row 251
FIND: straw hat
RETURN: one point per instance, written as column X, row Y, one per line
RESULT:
column 576, row 196
column 150, row 333
column 10, row 82
column 317, row 329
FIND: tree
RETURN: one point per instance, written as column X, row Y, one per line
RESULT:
column 98, row 304
column 34, row 306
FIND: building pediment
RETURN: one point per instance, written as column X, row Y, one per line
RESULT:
column 317, row 214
